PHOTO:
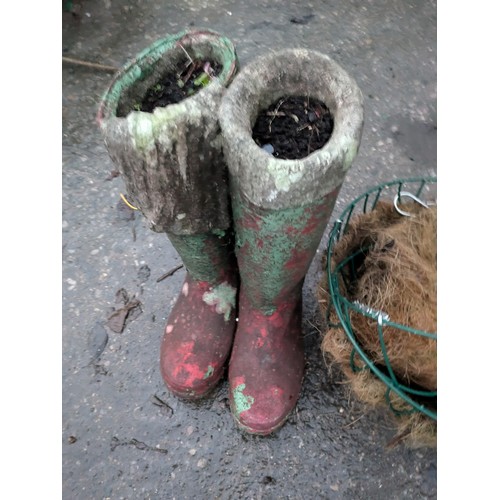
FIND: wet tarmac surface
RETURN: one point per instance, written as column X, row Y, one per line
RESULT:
column 124, row 435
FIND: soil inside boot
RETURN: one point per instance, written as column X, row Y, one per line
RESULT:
column 189, row 77
column 293, row 127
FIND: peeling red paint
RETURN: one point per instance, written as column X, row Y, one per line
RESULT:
column 193, row 371
column 298, row 260
column 193, row 353
column 238, row 381
column 252, row 222
column 185, row 351
column 317, row 214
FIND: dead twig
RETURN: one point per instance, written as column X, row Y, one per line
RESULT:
column 159, row 402
column 353, row 422
column 275, row 112
column 78, row 62
column 314, row 326
column 398, row 438
column 187, row 54
column 169, row 273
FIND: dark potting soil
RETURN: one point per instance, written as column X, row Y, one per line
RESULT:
column 174, row 87
column 293, row 127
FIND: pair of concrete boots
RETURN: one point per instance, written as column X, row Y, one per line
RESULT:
column 246, row 224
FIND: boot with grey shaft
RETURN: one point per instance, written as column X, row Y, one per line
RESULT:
column 280, row 209
column 172, row 164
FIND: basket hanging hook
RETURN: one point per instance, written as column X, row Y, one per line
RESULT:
column 409, row 195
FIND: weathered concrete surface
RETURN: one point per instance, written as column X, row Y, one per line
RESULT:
column 119, row 440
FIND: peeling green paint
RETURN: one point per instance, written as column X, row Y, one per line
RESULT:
column 219, row 232
column 204, row 255
column 223, row 297
column 138, row 68
column 209, row 373
column 241, row 402
column 145, row 62
column 267, row 249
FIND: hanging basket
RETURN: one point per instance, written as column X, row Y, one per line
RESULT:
column 386, row 359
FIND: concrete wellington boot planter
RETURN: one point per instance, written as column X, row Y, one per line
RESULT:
column 172, row 164
column 281, row 209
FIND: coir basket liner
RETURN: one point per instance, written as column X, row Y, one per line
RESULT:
column 380, row 301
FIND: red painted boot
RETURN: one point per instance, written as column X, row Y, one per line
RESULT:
column 171, row 160
column 274, row 251
column 200, row 329
column 280, row 211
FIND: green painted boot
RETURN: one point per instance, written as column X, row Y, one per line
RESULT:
column 172, row 164
column 281, row 209
column 200, row 329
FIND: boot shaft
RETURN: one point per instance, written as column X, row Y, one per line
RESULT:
column 281, row 207
column 274, row 248
column 207, row 256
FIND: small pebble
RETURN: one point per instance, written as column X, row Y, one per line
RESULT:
column 192, row 452
column 202, row 462
column 268, row 148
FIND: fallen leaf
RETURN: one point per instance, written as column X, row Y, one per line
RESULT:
column 117, row 319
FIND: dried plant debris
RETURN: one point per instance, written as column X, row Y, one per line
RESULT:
column 169, row 273
column 112, row 175
column 124, row 212
column 143, row 274
column 115, row 442
column 130, row 310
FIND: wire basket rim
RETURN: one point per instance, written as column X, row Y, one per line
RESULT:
column 339, row 300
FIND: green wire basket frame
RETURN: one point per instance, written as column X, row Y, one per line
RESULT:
column 343, row 306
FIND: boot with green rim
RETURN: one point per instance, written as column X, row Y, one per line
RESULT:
column 174, row 171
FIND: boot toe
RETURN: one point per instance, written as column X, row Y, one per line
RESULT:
column 261, row 412
column 190, row 380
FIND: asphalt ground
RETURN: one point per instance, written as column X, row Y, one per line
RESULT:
column 118, row 439
column 124, row 434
